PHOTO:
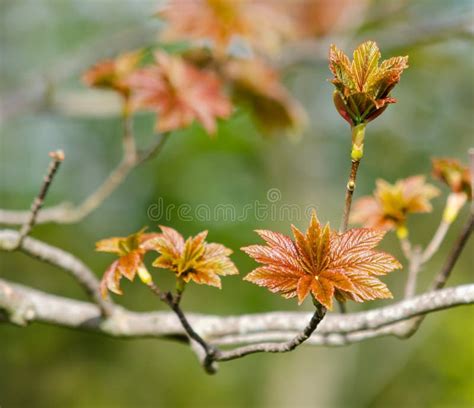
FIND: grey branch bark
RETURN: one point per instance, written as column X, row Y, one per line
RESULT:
column 57, row 257
column 334, row 330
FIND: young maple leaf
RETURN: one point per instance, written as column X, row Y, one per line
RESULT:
column 179, row 93
column 130, row 250
column 390, row 204
column 113, row 73
column 322, row 262
column 363, row 86
column 458, row 179
column 256, row 84
column 263, row 24
column 453, row 174
column 193, row 259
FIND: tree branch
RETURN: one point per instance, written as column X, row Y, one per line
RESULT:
column 334, row 330
column 285, row 347
column 436, row 241
column 350, row 187
column 453, row 256
column 414, row 265
column 207, row 356
column 57, row 159
column 62, row 259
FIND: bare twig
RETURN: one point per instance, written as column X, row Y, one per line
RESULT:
column 93, row 201
column 411, row 326
column 57, row 159
column 67, row 214
column 358, row 134
column 413, row 270
column 154, row 149
column 290, row 345
column 453, row 256
column 436, row 241
column 173, row 302
column 405, row 245
column 57, row 257
column 350, row 187
column 212, row 354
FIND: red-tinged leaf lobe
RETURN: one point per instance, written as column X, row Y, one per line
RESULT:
column 322, row 262
column 193, row 259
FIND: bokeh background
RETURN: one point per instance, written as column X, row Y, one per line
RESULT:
column 49, row 42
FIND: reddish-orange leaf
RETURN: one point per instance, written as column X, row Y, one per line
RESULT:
column 113, row 73
column 323, row 291
column 454, row 174
column 320, row 262
column 391, row 204
column 363, row 86
column 130, row 250
column 193, row 259
column 180, row 93
column 277, row 280
column 303, row 287
column 111, row 280
column 129, row 263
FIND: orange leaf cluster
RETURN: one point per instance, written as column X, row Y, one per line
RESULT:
column 193, row 259
column 113, row 73
column 131, row 251
column 390, row 204
column 363, row 86
column 453, row 174
column 179, row 93
column 322, row 262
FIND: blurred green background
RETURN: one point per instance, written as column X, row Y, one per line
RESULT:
column 43, row 366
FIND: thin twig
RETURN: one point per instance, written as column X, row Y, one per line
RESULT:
column 173, row 303
column 415, row 262
column 290, row 345
column 405, row 245
column 411, row 326
column 436, row 241
column 65, row 214
column 453, row 256
column 117, row 176
column 154, row 149
column 350, row 187
column 57, row 158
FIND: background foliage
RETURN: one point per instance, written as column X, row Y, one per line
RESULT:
column 46, row 366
